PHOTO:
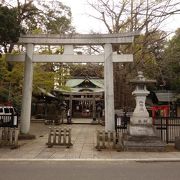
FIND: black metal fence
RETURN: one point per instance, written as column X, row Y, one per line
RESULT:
column 167, row 128
column 121, row 124
column 9, row 120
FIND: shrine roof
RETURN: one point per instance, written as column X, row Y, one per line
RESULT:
column 166, row 96
column 74, row 83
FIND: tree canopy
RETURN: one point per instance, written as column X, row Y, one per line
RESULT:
column 171, row 65
column 146, row 16
column 32, row 16
column 87, row 70
column 9, row 27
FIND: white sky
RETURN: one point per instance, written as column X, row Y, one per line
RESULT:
column 81, row 20
column 84, row 24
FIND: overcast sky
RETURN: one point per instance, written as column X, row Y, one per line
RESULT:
column 84, row 24
column 81, row 20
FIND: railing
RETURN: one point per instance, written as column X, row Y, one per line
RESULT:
column 167, row 128
column 9, row 120
column 121, row 124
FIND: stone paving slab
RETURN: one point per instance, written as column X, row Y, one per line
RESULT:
column 84, row 142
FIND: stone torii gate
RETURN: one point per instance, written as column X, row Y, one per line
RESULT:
column 68, row 41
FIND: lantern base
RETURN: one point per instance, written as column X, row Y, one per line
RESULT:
column 143, row 143
column 141, row 130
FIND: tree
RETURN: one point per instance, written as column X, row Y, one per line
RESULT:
column 9, row 28
column 56, row 20
column 126, row 15
column 153, row 55
column 50, row 17
column 171, row 66
column 11, row 82
column 43, row 78
column 87, row 70
column 3, row 75
column 30, row 17
column 146, row 16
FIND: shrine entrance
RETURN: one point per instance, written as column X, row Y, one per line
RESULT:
column 85, row 97
column 68, row 42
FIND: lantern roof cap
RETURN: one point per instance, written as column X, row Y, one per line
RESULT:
column 140, row 79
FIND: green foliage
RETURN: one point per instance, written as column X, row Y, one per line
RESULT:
column 171, row 68
column 49, row 76
column 61, row 75
column 3, row 94
column 11, row 82
column 36, row 18
column 9, row 27
column 51, row 17
column 3, row 68
column 56, row 18
column 148, row 54
column 43, row 77
column 32, row 17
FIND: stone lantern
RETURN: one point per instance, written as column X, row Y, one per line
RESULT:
column 141, row 134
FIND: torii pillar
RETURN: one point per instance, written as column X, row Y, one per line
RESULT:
column 109, row 88
column 27, row 90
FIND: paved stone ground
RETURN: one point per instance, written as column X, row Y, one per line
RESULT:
column 84, row 142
